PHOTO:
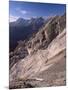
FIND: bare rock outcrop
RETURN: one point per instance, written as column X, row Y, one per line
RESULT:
column 45, row 62
column 31, row 66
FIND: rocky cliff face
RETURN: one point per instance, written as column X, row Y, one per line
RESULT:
column 46, row 34
column 41, row 60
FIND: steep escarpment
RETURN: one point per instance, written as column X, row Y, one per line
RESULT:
column 31, row 67
column 44, row 64
column 42, row 39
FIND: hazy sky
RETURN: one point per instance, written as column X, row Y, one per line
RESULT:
column 27, row 10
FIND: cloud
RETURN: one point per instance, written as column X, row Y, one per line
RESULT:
column 13, row 18
column 22, row 11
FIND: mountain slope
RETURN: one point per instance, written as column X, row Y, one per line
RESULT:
column 31, row 66
column 45, row 64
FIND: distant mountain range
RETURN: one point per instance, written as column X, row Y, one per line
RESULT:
column 23, row 29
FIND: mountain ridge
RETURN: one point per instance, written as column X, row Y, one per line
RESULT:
column 23, row 29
